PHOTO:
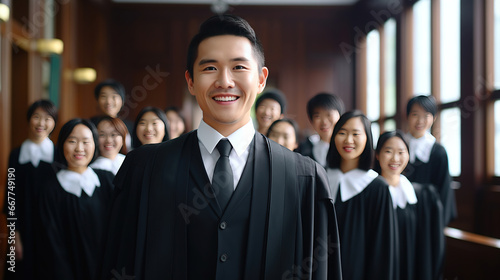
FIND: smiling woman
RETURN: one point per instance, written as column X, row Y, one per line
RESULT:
column 362, row 201
column 151, row 127
column 73, row 206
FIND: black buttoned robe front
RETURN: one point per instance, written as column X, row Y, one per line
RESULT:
column 166, row 223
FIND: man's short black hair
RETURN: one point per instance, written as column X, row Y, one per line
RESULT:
column 273, row 94
column 115, row 85
column 425, row 101
column 224, row 25
column 326, row 101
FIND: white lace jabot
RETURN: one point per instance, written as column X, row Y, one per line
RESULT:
column 403, row 193
column 421, row 148
column 351, row 183
column 74, row 182
column 34, row 153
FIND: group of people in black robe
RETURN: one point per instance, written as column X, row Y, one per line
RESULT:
column 85, row 211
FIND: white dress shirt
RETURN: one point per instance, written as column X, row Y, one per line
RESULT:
column 208, row 138
column 351, row 183
column 111, row 165
column 74, row 182
column 320, row 149
column 403, row 193
column 34, row 153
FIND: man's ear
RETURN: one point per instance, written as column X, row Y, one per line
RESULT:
column 282, row 116
column 263, row 78
column 189, row 82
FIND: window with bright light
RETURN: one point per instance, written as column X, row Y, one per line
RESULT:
column 390, row 68
column 450, row 50
column 450, row 138
column 373, row 75
column 422, row 47
column 497, row 138
column 496, row 54
column 390, row 125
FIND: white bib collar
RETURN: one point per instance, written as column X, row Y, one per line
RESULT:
column 34, row 153
column 421, row 148
column 403, row 193
column 351, row 183
column 74, row 182
column 107, row 164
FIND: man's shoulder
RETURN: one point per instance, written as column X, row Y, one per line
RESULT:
column 305, row 166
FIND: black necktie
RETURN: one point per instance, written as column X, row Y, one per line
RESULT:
column 222, row 181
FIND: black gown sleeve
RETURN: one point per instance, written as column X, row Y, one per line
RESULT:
column 380, row 258
column 57, row 262
column 430, row 239
column 121, row 234
column 442, row 181
column 327, row 243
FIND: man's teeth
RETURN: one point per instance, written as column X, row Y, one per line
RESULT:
column 225, row 98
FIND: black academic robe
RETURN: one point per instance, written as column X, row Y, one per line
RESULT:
column 406, row 231
column 26, row 194
column 306, row 148
column 367, row 233
column 73, row 229
column 435, row 172
column 288, row 217
column 430, row 240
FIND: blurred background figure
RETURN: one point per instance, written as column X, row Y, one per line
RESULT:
column 110, row 97
column 428, row 159
column 269, row 106
column 285, row 133
column 32, row 163
column 74, row 206
column 323, row 110
column 176, row 121
column 151, row 127
column 418, row 212
column 112, row 149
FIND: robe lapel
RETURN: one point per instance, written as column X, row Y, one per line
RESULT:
column 283, row 214
column 258, row 211
column 166, row 245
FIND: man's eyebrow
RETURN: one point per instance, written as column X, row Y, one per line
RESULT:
column 205, row 61
column 240, row 59
column 210, row 60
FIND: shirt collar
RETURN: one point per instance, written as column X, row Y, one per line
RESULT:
column 240, row 139
column 351, row 183
column 73, row 182
column 403, row 193
column 421, row 147
column 34, row 153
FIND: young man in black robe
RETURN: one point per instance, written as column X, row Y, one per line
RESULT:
column 173, row 217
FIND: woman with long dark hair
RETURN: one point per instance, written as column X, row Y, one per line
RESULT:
column 362, row 201
column 74, row 206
